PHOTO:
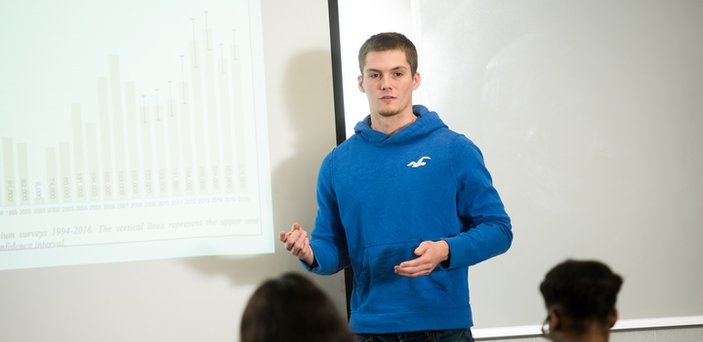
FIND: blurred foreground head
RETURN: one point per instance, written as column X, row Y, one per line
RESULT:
column 580, row 297
column 292, row 308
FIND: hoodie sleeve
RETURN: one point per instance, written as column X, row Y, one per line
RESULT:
column 328, row 240
column 487, row 230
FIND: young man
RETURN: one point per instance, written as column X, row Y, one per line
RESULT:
column 408, row 204
column 580, row 297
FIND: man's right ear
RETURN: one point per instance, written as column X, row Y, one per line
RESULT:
column 556, row 321
column 612, row 317
column 360, row 82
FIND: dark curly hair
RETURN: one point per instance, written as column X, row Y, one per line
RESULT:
column 583, row 290
column 291, row 308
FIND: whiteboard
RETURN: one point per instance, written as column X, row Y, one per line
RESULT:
column 589, row 115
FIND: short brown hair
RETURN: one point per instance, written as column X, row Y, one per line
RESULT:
column 389, row 41
column 291, row 308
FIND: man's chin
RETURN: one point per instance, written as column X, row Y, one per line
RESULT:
column 387, row 113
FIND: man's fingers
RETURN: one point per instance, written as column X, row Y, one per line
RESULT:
column 412, row 271
column 286, row 235
column 299, row 246
column 422, row 248
column 419, row 266
column 293, row 234
column 296, row 241
column 292, row 242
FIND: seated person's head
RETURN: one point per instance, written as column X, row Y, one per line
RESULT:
column 292, row 308
column 580, row 297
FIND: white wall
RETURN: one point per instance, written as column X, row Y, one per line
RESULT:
column 200, row 299
column 589, row 116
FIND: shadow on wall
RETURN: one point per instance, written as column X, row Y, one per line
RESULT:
column 310, row 109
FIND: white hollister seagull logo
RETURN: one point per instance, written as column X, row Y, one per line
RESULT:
column 419, row 162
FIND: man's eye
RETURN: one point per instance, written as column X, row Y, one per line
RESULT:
column 373, row 75
column 398, row 74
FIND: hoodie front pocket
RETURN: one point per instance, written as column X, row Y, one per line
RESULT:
column 380, row 289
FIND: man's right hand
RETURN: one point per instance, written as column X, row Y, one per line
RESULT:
column 297, row 243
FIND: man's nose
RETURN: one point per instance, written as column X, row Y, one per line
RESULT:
column 385, row 85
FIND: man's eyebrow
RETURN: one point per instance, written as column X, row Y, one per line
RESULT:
column 398, row 68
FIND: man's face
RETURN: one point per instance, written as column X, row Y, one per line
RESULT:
column 388, row 82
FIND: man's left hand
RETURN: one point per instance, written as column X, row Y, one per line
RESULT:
column 430, row 254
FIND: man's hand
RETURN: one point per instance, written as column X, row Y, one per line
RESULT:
column 297, row 242
column 430, row 254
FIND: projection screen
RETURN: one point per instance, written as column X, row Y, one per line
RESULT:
column 132, row 130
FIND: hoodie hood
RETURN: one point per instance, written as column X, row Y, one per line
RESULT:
column 427, row 121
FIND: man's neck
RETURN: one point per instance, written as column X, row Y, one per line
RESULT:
column 389, row 125
column 593, row 334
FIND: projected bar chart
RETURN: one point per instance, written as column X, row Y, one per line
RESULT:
column 161, row 135
column 172, row 169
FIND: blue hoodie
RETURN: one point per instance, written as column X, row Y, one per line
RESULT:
column 379, row 196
